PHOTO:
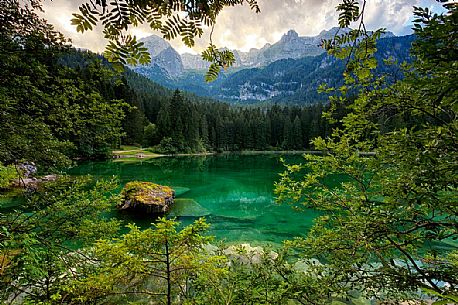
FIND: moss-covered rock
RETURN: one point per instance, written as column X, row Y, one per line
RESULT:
column 146, row 197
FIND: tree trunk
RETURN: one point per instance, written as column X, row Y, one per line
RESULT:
column 167, row 261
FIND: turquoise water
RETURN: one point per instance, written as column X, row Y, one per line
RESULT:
column 233, row 192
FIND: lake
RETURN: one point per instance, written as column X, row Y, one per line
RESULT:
column 234, row 192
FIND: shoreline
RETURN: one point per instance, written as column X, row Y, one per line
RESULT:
column 121, row 156
column 142, row 154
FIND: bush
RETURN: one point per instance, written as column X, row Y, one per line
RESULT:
column 167, row 146
column 7, row 175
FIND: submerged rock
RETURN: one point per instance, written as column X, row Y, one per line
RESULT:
column 246, row 254
column 146, row 197
column 180, row 190
column 188, row 207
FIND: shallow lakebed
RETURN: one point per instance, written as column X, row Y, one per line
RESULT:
column 233, row 192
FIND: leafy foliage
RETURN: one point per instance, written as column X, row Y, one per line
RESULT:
column 7, row 175
column 219, row 59
column 40, row 240
column 383, row 226
column 127, row 52
column 154, row 264
column 348, row 12
column 262, row 276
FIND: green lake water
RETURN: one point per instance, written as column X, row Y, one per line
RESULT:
column 233, row 192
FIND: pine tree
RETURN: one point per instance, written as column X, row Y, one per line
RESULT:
column 297, row 134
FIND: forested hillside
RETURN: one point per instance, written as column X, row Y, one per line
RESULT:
column 186, row 123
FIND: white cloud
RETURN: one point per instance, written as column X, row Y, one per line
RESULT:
column 391, row 14
column 59, row 14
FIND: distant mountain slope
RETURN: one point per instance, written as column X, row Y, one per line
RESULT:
column 330, row 71
column 297, row 80
column 278, row 72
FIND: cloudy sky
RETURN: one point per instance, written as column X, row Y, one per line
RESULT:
column 240, row 28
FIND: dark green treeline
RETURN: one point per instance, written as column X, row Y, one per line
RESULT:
column 179, row 122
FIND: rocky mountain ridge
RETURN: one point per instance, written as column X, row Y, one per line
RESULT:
column 290, row 46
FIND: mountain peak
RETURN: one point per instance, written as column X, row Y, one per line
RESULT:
column 289, row 36
column 153, row 38
column 292, row 33
column 155, row 44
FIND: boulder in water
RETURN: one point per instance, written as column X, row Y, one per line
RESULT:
column 146, row 197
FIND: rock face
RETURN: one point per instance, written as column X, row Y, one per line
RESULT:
column 194, row 62
column 28, row 169
column 291, row 45
column 146, row 197
column 163, row 56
